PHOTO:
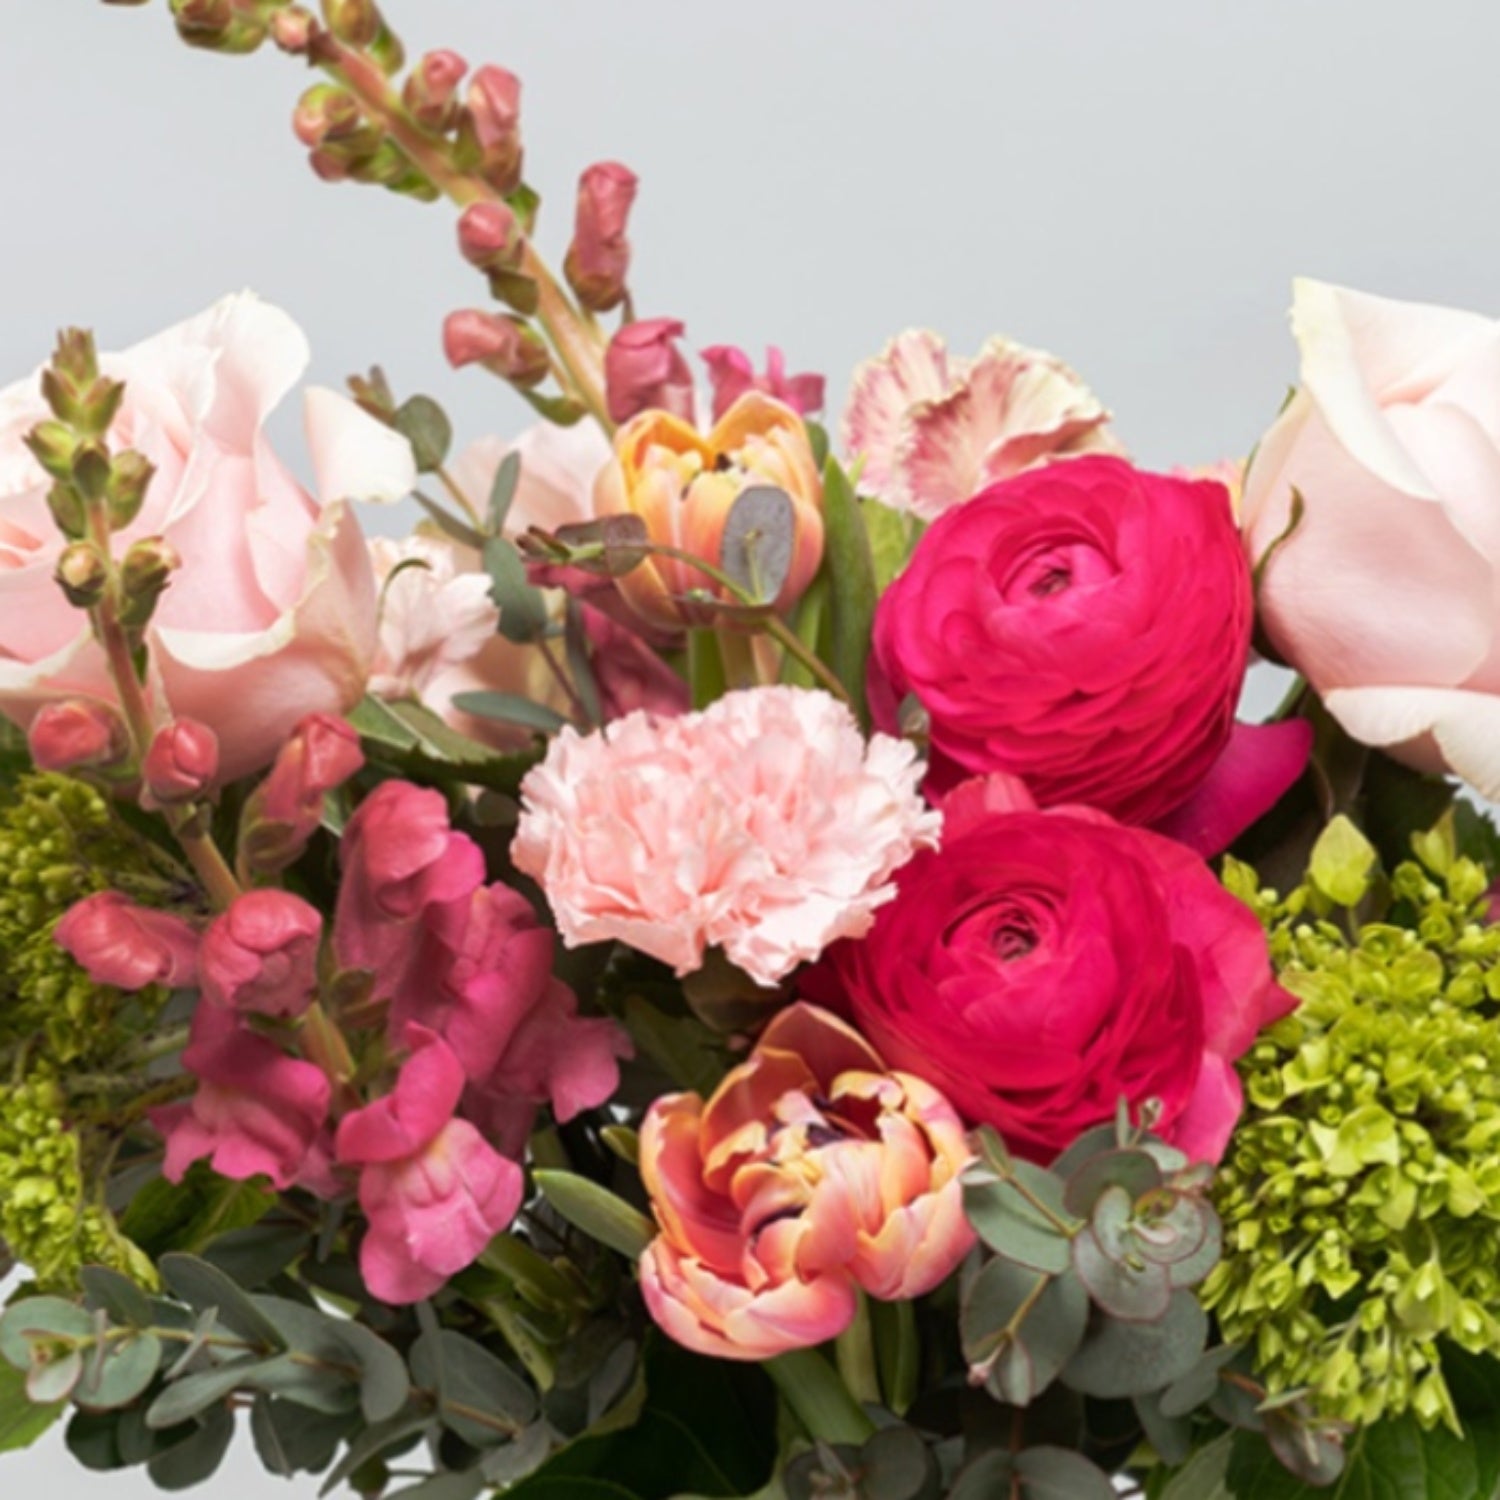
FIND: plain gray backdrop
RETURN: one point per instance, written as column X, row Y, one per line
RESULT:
column 1128, row 183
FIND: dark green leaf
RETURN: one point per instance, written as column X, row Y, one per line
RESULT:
column 1060, row 1474
column 1197, row 1386
column 510, row 708
column 1013, row 1226
column 384, row 1386
column 127, row 1305
column 293, row 1440
column 759, row 541
column 192, row 1395
column 479, row 1397
column 523, row 610
column 425, row 425
column 252, row 1256
column 383, row 1438
column 1202, row 1477
column 706, row 677
column 22, row 1422
column 898, row 1352
column 1170, row 1437
column 93, row 1439
column 1121, row 1359
column 465, row 1486
column 191, row 1214
column 850, row 568
column 597, row 1211
column 987, row 1478
column 197, row 1457
column 503, row 491
column 203, row 1286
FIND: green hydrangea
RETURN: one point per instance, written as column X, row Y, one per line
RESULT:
column 48, row 1217
column 1361, row 1192
column 59, row 842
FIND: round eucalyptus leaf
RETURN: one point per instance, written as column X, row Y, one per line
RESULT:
column 1119, row 1359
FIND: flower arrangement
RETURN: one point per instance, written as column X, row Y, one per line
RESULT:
column 744, row 957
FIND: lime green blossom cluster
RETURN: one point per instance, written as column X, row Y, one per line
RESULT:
column 1361, row 1193
column 47, row 1218
column 59, row 842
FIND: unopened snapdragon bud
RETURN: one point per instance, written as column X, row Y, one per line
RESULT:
column 645, row 370
column 327, row 113
column 489, row 235
column 504, row 345
column 284, row 811
column 145, row 571
column 53, row 445
column 78, row 734
column 598, row 260
column 293, row 29
column 356, row 23
column 181, row 764
column 82, row 574
column 494, row 105
column 431, row 91
column 129, row 479
column 217, row 26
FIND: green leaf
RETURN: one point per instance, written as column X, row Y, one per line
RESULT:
column 455, row 528
column 680, row 1045
column 760, row 537
column 503, row 491
column 1060, row 1474
column 1343, row 861
column 189, row 1215
column 706, row 677
column 203, row 1286
column 1006, row 1219
column 597, row 1212
column 479, row 1397
column 48, row 1317
column 890, row 540
column 252, row 1256
column 1203, row 1476
column 510, row 708
column 129, row 1366
column 293, row 1440
column 425, row 425
column 384, row 1385
column 22, row 1422
column 523, row 609
column 1119, row 1359
column 393, row 1436
column 186, row 1398
column 464, row 1486
column 415, row 741
column 197, row 1457
column 127, row 1305
column 987, row 1478
column 850, row 569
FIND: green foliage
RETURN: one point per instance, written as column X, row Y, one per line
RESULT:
column 1361, row 1193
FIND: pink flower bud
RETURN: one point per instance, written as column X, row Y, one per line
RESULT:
column 431, row 87
column 284, row 811
column 494, row 102
column 181, row 763
column 644, row 370
column 504, row 345
column 262, row 954
column 731, row 373
column 293, row 28
column 128, row 946
column 599, row 257
column 490, row 236
column 75, row 735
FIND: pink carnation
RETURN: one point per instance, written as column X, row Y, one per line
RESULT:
column 764, row 825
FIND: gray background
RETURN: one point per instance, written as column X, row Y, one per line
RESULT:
column 1129, row 183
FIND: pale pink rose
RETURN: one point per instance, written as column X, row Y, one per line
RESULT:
column 934, row 429
column 119, row 943
column 558, row 469
column 434, row 1191
column 272, row 613
column 773, row 1208
column 1384, row 594
column 256, row 1112
column 764, row 825
column 434, row 613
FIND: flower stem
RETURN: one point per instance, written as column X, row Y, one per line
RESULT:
column 819, row 1398
column 854, row 1349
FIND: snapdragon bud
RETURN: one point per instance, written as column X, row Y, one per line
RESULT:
column 82, row 574
column 356, row 23
column 431, row 90
column 504, row 345
column 53, row 445
column 78, row 734
column 216, row 26
column 489, row 236
column 598, row 260
column 326, row 113
column 494, row 117
column 125, row 492
column 293, row 29
column 145, row 572
column 181, row 764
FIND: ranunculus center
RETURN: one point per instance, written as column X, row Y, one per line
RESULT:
column 1055, row 568
column 1014, row 939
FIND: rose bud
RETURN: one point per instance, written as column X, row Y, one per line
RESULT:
column 812, row 1172
column 504, row 345
column 284, row 811
column 78, row 734
column 494, row 104
column 599, row 257
column 431, row 88
column 119, row 943
column 261, row 955
column 731, row 374
column 682, row 484
column 644, row 370
column 182, row 762
column 490, row 237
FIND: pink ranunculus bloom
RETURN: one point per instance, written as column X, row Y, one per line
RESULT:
column 1382, row 593
column 128, row 946
column 272, row 614
column 731, row 372
column 1040, row 966
column 261, row 955
column 934, row 429
column 1085, row 626
column 434, row 1191
column 256, row 1111
column 400, row 856
column 811, row 1172
column 764, row 825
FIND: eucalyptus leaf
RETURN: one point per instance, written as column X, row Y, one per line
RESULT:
column 987, row 1478
column 479, row 1397
column 1119, row 1359
column 93, row 1438
column 52, row 1380
column 42, row 1318
column 253, row 1255
column 425, row 425
column 617, row 543
column 1203, row 1476
column 192, row 1395
column 510, row 708
column 127, row 1305
column 393, row 1436
column 1012, row 1225
column 1060, row 1474
column 597, row 1212
column 129, row 1366
column 1137, row 1291
column 1130, row 1169
column 302, row 1441
column 204, row 1286
column 503, row 491
column 384, row 1384
column 759, row 541
column 523, row 609
column 455, row 1486
column 197, row 1457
